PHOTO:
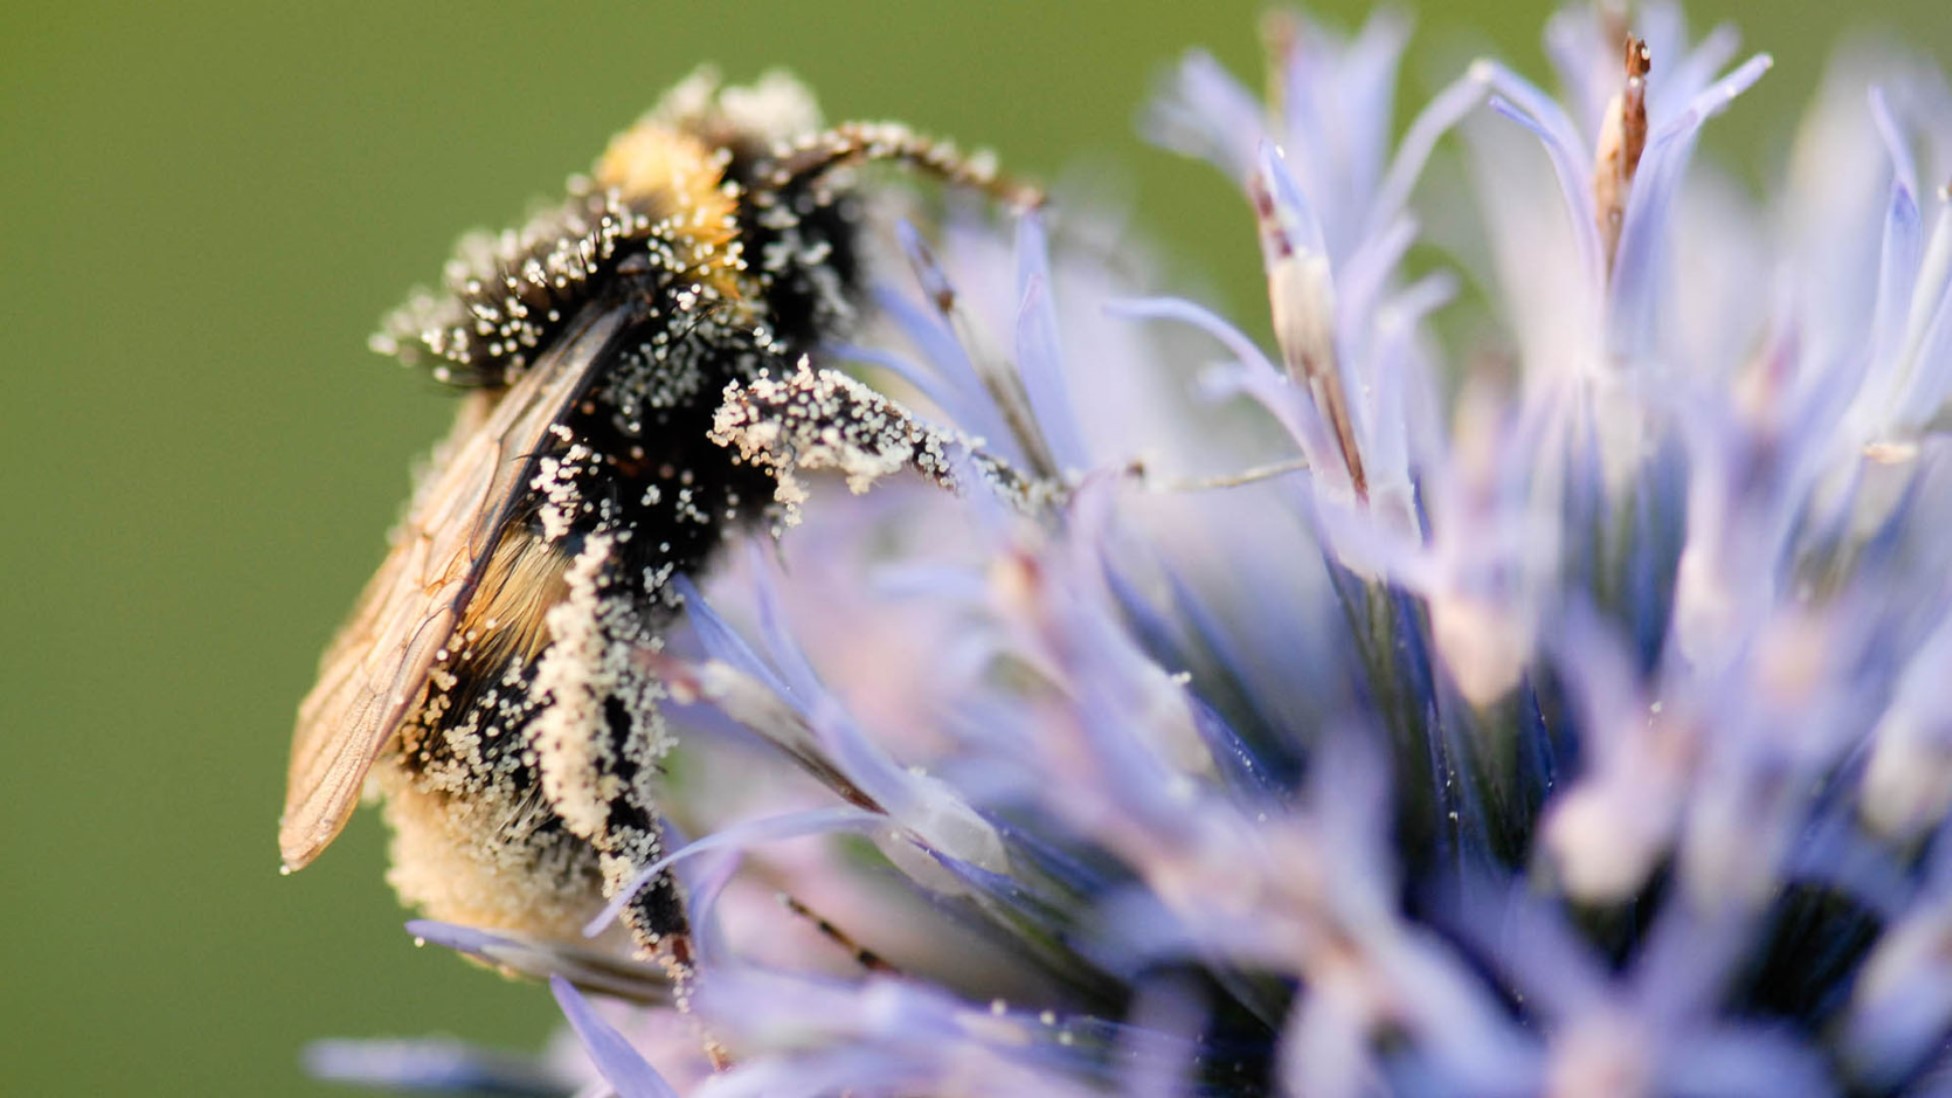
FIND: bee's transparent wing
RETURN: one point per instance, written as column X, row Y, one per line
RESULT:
column 377, row 667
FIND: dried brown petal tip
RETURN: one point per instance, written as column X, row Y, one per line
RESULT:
column 1623, row 137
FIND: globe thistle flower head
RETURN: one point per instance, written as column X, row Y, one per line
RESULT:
column 1149, row 711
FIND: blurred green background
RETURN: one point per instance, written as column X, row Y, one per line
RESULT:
column 205, row 208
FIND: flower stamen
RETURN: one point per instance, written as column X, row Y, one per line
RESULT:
column 1301, row 294
column 1622, row 140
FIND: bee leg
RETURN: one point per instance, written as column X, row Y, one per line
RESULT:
column 657, row 920
column 628, row 839
column 655, row 914
column 822, row 419
column 807, row 159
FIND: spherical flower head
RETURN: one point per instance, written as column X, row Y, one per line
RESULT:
column 1149, row 711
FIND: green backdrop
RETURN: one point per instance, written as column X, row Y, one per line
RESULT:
column 204, row 208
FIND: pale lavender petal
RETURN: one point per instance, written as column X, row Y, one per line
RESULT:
column 1525, row 103
column 1157, row 1052
column 1747, row 1060
column 1444, row 112
column 613, row 1055
column 931, row 334
column 595, row 968
column 740, row 836
column 1519, row 101
column 1574, row 45
column 1256, row 375
column 1715, row 98
column 1206, row 113
column 1326, row 1049
column 1039, row 358
column 1287, row 404
column 1362, row 281
column 1680, row 83
column 1336, row 110
column 723, row 643
column 1903, row 246
column 1243, row 349
column 1637, row 278
column 1366, row 95
column 1393, row 378
column 924, row 329
column 431, row 1064
column 1902, row 1004
column 965, row 409
column 1931, row 356
column 781, row 645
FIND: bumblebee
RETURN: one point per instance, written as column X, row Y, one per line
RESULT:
column 494, row 685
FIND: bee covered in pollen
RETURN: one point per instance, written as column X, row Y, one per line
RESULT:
column 494, row 684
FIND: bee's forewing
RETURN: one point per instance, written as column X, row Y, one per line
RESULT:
column 377, row 667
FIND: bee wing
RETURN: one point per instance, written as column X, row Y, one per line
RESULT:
column 378, row 665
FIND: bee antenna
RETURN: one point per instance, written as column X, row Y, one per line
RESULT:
column 808, row 158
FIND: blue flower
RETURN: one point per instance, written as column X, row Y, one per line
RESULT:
column 1564, row 712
